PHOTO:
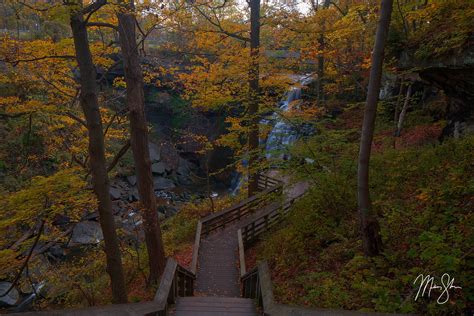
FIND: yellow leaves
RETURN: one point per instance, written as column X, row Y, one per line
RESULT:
column 7, row 261
column 62, row 193
column 423, row 196
column 119, row 82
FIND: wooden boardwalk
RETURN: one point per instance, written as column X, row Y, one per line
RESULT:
column 218, row 264
column 217, row 273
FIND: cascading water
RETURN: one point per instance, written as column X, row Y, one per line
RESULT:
column 282, row 134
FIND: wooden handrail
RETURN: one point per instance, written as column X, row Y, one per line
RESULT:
column 197, row 242
column 257, row 284
column 243, row 269
column 218, row 220
column 176, row 281
column 259, row 225
column 221, row 219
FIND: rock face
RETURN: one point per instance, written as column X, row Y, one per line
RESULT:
column 115, row 193
column 132, row 180
column 86, row 233
column 454, row 74
column 162, row 183
column 155, row 153
column 159, row 168
column 12, row 297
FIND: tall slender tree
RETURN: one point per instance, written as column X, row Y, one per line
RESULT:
column 139, row 138
column 322, row 47
column 370, row 229
column 97, row 162
column 253, row 98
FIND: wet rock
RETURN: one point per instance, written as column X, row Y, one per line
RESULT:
column 115, row 193
column 161, row 183
column 132, row 180
column 159, row 168
column 154, row 152
column 12, row 297
column 85, row 233
column 164, row 195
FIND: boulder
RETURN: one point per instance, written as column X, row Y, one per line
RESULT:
column 167, row 210
column 154, row 152
column 161, row 183
column 132, row 180
column 184, row 179
column 85, row 233
column 118, row 206
column 12, row 297
column 133, row 196
column 159, row 168
column 115, row 193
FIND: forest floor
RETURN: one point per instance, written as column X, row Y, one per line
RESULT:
column 422, row 191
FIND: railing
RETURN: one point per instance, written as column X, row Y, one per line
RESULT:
column 265, row 182
column 197, row 242
column 176, row 281
column 252, row 231
column 257, row 284
column 251, row 285
column 248, row 234
column 219, row 220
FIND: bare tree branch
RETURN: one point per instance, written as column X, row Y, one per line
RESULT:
column 102, row 24
column 119, row 155
column 17, row 61
column 220, row 27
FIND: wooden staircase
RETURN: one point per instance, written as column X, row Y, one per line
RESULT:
column 213, row 276
column 214, row 306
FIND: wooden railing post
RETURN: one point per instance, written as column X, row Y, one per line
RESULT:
column 252, row 234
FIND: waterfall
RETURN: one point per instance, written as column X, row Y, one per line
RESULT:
column 282, row 134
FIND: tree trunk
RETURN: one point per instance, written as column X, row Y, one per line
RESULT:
column 254, row 73
column 372, row 241
column 100, row 180
column 399, row 99
column 403, row 112
column 139, row 140
column 322, row 46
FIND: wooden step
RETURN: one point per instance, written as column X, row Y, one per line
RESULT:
column 214, row 306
